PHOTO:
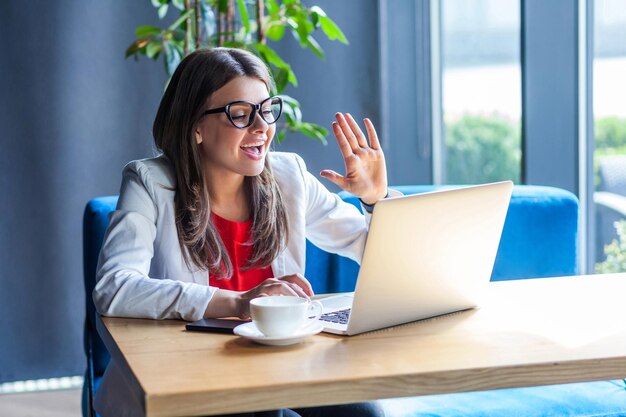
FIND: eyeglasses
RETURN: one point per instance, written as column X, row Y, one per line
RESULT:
column 242, row 113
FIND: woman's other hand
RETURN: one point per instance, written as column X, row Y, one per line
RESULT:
column 366, row 173
column 226, row 303
column 295, row 285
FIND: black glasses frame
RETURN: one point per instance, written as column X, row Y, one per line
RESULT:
column 256, row 108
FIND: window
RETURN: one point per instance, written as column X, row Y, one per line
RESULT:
column 609, row 104
column 481, row 90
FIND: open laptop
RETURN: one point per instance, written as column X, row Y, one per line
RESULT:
column 426, row 255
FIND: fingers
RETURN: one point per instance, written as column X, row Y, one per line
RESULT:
column 342, row 141
column 299, row 291
column 294, row 285
column 276, row 286
column 333, row 176
column 371, row 134
column 349, row 134
column 347, row 131
column 301, row 282
column 356, row 131
column 290, row 285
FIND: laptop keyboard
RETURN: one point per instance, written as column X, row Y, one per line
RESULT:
column 340, row 316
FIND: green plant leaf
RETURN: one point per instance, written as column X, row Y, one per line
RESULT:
column 222, row 6
column 315, row 47
column 272, row 7
column 331, row 30
column 292, row 111
column 314, row 19
column 329, row 27
column 162, row 10
column 275, row 63
column 173, row 56
column 213, row 38
column 243, row 13
column 138, row 47
column 275, row 30
column 178, row 35
column 290, row 101
column 180, row 4
column 183, row 16
column 157, row 3
column 615, row 252
column 142, row 31
column 235, row 44
column 291, row 76
column 303, row 18
column 304, row 22
column 269, row 55
column 298, row 30
column 290, row 117
column 153, row 49
column 314, row 131
column 281, row 136
column 318, row 10
column 281, row 78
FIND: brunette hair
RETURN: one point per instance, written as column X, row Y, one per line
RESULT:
column 197, row 77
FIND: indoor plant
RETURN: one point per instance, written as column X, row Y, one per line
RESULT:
column 246, row 24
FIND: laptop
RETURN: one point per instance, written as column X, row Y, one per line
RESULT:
column 426, row 255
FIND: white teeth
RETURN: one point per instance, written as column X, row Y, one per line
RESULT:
column 252, row 145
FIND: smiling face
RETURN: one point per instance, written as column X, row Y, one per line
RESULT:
column 228, row 152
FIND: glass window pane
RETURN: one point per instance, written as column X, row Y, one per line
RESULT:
column 609, row 102
column 481, row 89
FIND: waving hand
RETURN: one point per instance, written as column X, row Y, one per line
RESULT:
column 366, row 173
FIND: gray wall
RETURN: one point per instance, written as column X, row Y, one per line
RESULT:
column 74, row 112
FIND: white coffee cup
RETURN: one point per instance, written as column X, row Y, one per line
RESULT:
column 279, row 316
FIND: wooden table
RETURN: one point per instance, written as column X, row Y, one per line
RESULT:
column 527, row 333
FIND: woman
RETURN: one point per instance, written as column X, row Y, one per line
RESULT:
column 217, row 219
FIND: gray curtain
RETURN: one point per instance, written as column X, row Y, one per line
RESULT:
column 74, row 111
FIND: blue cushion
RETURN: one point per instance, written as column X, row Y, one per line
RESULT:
column 603, row 398
column 84, row 400
column 540, row 235
column 319, row 269
column 95, row 222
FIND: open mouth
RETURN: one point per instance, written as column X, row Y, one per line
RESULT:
column 253, row 150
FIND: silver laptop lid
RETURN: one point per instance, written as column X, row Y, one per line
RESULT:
column 428, row 254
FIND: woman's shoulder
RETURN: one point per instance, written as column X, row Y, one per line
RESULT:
column 290, row 173
column 287, row 161
column 152, row 171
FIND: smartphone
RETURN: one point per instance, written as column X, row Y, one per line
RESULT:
column 214, row 325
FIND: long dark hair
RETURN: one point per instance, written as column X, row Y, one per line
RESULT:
column 197, row 77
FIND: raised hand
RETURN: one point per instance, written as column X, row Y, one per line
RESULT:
column 366, row 173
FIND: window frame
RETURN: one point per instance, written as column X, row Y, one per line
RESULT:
column 557, row 99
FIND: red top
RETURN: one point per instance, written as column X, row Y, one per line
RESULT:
column 235, row 235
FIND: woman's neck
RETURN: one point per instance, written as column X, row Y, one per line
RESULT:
column 228, row 196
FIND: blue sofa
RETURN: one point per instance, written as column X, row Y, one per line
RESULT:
column 539, row 240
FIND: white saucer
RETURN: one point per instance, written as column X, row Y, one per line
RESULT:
column 249, row 331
